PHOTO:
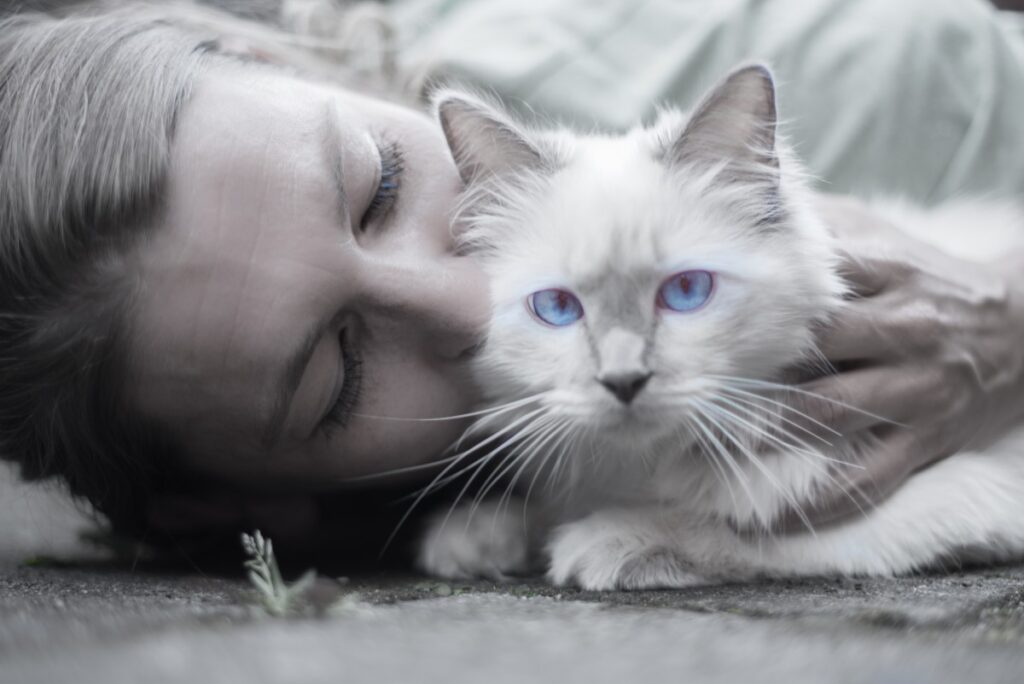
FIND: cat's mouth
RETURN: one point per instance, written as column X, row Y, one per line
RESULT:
column 636, row 420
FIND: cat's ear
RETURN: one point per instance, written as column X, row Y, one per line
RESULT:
column 734, row 124
column 483, row 140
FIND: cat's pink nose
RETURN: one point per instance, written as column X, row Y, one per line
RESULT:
column 625, row 386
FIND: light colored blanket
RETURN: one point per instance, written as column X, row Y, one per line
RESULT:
column 922, row 98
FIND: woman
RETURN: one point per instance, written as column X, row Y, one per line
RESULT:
column 221, row 283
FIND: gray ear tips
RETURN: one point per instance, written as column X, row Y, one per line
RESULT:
column 482, row 138
column 760, row 69
column 447, row 103
column 755, row 83
column 736, row 121
column 760, row 74
column 754, row 75
column 456, row 112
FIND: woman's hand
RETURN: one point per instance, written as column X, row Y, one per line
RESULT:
column 930, row 352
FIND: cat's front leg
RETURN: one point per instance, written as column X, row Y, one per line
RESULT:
column 622, row 549
column 490, row 540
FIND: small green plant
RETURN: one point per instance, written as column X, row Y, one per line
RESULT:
column 277, row 597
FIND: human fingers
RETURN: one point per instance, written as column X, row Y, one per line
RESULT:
column 860, row 329
column 849, row 402
column 863, row 273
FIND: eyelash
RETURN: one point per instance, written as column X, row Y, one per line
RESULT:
column 338, row 415
column 392, row 164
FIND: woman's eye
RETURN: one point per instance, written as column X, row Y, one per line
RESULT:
column 556, row 307
column 686, row 291
column 341, row 410
column 390, row 182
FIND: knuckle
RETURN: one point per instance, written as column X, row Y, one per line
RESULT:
column 918, row 326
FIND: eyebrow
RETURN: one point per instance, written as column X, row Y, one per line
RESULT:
column 329, row 137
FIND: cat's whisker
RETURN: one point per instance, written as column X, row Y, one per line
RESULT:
column 479, row 425
column 399, row 471
column 524, row 433
column 713, row 461
column 535, row 431
column 504, row 408
column 820, row 363
column 797, row 390
column 771, row 431
column 580, row 436
column 477, row 467
column 763, row 429
column 850, row 488
column 433, row 486
column 542, row 451
column 566, row 432
column 751, row 399
column 551, row 444
column 490, row 411
column 523, row 450
column 752, row 457
column 753, row 396
column 722, row 451
column 815, row 459
column 555, row 469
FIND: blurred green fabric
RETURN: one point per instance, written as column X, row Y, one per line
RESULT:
column 919, row 98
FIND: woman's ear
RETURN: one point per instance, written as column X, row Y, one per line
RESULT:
column 483, row 140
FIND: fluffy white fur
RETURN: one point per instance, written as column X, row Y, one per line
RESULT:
column 647, row 494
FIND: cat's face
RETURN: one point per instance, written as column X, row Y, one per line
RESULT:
column 631, row 275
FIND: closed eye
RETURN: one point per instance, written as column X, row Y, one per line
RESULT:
column 389, row 184
column 343, row 406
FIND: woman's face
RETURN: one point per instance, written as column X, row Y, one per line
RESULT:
column 302, row 281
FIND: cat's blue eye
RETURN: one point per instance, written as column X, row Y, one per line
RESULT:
column 556, row 307
column 686, row 291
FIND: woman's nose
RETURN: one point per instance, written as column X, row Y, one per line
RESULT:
column 443, row 303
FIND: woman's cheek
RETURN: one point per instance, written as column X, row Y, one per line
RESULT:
column 396, row 392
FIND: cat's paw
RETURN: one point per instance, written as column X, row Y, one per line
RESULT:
column 467, row 544
column 606, row 551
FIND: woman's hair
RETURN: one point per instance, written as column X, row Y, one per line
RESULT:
column 88, row 106
column 87, row 112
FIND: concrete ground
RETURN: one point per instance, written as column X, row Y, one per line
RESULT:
column 66, row 616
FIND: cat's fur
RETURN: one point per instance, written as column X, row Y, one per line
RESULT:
column 650, row 493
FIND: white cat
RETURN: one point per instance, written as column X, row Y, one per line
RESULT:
column 648, row 288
